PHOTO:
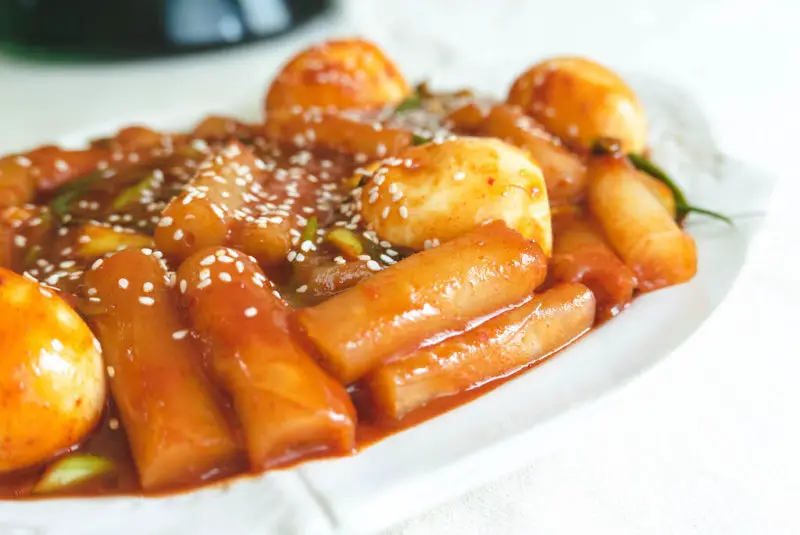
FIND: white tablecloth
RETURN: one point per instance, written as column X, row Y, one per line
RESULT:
column 707, row 442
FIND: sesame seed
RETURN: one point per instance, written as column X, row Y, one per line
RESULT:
column 207, row 261
column 403, row 212
column 182, row 286
column 226, row 259
column 91, row 291
column 340, row 260
column 180, row 335
column 113, row 424
column 461, row 175
column 123, row 283
column 178, row 235
column 22, row 161
column 97, row 263
column 20, row 241
column 240, row 266
column 291, row 256
column 373, row 266
column 385, row 213
column 111, row 371
column 203, row 283
column 302, row 289
column 165, row 221
column 300, row 257
column 147, row 287
column 250, row 312
column 364, row 257
column 57, row 345
column 225, row 276
column 147, row 301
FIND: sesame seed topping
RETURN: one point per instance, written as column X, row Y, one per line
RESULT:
column 111, row 371
column 147, row 287
column 178, row 235
column 207, row 261
column 225, row 276
column 250, row 312
column 57, row 345
column 20, row 241
column 97, row 263
column 373, row 266
column 180, row 335
column 123, row 283
column 461, row 175
column 113, row 424
column 302, row 289
column 203, row 283
column 182, row 286
column 147, row 301
column 403, row 212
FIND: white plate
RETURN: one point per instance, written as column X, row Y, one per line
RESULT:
column 499, row 432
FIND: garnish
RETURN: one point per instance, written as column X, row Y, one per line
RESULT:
column 682, row 206
column 417, row 139
column 347, row 242
column 414, row 101
column 310, row 230
column 95, row 241
column 67, row 193
column 135, row 193
column 72, row 470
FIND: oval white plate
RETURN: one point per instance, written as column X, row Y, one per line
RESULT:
column 449, row 455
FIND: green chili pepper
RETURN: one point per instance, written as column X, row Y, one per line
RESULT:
column 682, row 206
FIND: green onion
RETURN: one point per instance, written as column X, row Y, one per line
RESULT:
column 310, row 231
column 72, row 470
column 417, row 139
column 411, row 103
column 103, row 240
column 346, row 241
column 134, row 193
column 67, row 193
column 682, row 206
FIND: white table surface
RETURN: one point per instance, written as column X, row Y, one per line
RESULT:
column 705, row 443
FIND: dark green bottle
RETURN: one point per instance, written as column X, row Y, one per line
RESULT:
column 104, row 28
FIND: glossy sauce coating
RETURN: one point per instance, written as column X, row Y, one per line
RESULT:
column 287, row 406
column 495, row 348
column 426, row 294
column 177, row 432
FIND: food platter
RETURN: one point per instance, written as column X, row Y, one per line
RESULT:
column 504, row 429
